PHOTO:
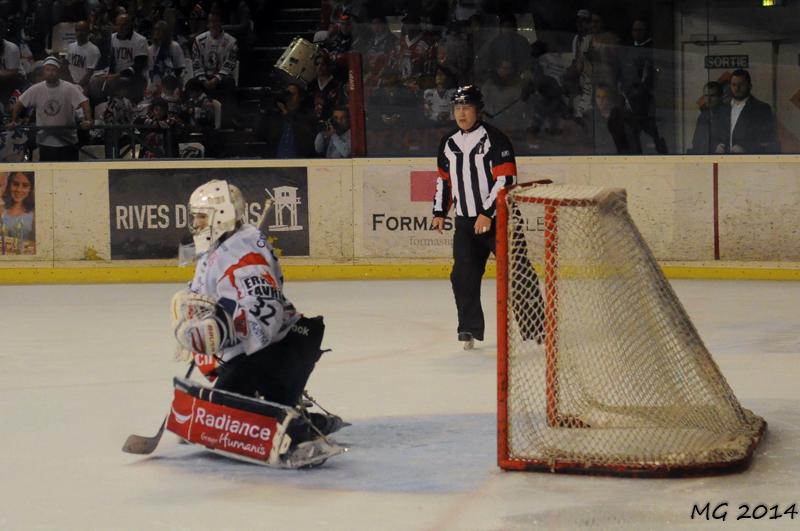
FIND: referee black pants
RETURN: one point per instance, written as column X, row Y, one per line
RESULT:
column 470, row 253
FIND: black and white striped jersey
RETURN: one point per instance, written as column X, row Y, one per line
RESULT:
column 473, row 167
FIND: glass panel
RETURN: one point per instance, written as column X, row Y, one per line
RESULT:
column 618, row 77
column 740, row 50
column 557, row 79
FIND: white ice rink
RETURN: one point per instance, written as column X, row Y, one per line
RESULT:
column 81, row 367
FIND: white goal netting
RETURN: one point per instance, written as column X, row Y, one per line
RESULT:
column 601, row 368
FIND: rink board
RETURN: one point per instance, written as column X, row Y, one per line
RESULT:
column 703, row 217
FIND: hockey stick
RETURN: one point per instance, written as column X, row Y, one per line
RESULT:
column 267, row 205
column 136, row 444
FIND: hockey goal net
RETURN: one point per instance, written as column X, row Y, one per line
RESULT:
column 600, row 369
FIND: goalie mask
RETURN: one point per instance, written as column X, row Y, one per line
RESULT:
column 215, row 209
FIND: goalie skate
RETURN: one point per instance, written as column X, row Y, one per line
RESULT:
column 312, row 453
column 333, row 423
column 309, row 454
column 325, row 423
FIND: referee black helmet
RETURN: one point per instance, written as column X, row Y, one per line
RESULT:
column 468, row 95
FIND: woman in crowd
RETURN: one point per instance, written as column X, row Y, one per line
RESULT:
column 3, row 185
column 17, row 217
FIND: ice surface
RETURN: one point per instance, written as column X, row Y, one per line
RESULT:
column 81, row 367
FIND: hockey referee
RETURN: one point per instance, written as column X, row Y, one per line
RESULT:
column 475, row 162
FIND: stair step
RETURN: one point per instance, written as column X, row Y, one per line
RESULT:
column 283, row 40
column 298, row 25
column 236, row 136
column 289, row 35
column 301, row 20
column 312, row 13
column 269, row 55
column 252, row 92
column 268, row 49
column 246, row 150
column 283, row 22
column 300, row 10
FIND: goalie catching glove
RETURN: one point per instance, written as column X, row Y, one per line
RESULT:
column 200, row 324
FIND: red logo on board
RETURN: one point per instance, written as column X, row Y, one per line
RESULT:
column 423, row 186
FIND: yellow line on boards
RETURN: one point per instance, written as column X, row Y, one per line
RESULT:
column 111, row 275
column 732, row 273
column 93, row 275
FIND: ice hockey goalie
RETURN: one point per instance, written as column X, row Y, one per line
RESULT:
column 249, row 340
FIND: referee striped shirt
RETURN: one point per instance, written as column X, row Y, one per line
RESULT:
column 473, row 167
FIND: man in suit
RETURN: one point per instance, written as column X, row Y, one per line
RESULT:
column 750, row 123
column 712, row 125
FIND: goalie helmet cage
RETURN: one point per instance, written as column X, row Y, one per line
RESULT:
column 617, row 380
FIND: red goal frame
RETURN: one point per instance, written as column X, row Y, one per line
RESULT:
column 550, row 297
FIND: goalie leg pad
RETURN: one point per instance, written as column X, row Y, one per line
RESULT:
column 228, row 423
column 245, row 428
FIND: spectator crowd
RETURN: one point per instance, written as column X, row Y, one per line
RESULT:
column 149, row 76
column 81, row 72
column 592, row 93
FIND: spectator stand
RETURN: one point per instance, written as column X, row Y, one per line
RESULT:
column 260, row 79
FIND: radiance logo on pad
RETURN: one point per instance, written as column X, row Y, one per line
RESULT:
column 221, row 428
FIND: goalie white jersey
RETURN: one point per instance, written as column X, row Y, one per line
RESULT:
column 244, row 277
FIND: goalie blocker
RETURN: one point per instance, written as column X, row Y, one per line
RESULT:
column 246, row 428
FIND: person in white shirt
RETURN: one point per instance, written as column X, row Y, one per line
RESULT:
column 82, row 56
column 503, row 94
column 10, row 72
column 129, row 57
column 334, row 141
column 215, row 55
column 436, row 101
column 750, row 126
column 55, row 102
